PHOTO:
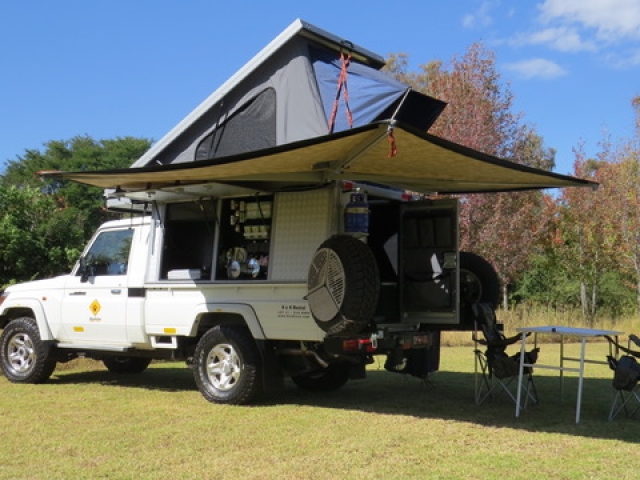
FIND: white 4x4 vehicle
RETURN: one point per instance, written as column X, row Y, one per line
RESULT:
column 258, row 258
column 249, row 287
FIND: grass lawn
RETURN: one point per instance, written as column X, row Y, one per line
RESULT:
column 88, row 423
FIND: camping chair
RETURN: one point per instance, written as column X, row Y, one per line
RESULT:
column 495, row 370
column 626, row 378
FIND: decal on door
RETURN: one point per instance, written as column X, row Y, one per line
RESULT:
column 95, row 308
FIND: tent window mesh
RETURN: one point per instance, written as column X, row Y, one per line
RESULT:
column 252, row 127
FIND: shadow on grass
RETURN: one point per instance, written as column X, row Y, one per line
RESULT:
column 163, row 377
column 447, row 396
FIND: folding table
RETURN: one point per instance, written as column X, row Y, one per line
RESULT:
column 582, row 333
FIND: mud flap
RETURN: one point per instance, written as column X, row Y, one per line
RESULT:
column 272, row 377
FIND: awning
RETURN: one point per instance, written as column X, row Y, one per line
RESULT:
column 421, row 163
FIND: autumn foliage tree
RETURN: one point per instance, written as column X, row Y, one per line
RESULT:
column 601, row 229
column 582, row 233
column 619, row 200
column 480, row 115
column 591, row 253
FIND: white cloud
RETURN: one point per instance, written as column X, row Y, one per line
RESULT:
column 613, row 20
column 536, row 68
column 624, row 59
column 481, row 17
column 564, row 39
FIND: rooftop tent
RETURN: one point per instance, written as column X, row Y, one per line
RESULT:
column 286, row 93
column 268, row 128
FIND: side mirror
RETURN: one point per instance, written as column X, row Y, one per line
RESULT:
column 85, row 270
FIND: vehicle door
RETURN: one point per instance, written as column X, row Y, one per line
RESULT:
column 95, row 299
column 428, row 262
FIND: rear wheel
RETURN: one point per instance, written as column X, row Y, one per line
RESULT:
column 126, row 364
column 479, row 282
column 227, row 365
column 25, row 357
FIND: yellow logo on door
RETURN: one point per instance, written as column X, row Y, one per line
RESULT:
column 95, row 307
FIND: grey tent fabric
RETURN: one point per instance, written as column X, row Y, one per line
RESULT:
column 297, row 112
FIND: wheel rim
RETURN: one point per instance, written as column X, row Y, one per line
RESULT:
column 326, row 284
column 21, row 353
column 224, row 367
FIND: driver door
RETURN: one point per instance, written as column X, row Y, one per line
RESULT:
column 95, row 299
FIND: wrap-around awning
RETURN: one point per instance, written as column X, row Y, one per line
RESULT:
column 421, row 163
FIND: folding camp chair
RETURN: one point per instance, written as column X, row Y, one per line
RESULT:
column 495, row 370
column 626, row 378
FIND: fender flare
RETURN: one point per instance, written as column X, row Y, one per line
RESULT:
column 37, row 311
column 242, row 310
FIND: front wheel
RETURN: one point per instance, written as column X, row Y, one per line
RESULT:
column 25, row 357
column 226, row 365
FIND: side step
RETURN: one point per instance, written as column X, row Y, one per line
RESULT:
column 102, row 348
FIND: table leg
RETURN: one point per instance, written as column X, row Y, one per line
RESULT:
column 520, row 373
column 580, row 379
column 561, row 368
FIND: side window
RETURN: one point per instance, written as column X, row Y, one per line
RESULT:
column 257, row 116
column 109, row 254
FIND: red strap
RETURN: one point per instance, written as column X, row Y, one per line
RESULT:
column 342, row 82
column 393, row 151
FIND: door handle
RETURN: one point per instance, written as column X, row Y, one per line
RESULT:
column 78, row 293
column 116, row 291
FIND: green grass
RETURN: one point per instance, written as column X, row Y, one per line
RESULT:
column 88, row 423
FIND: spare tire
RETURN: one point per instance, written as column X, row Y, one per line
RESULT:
column 343, row 284
column 479, row 282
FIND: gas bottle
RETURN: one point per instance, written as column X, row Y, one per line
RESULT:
column 356, row 214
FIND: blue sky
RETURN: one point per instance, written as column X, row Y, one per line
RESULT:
column 137, row 67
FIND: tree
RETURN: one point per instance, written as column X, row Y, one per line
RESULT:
column 37, row 238
column 478, row 113
column 620, row 202
column 592, row 250
column 44, row 225
column 584, row 237
column 79, row 153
